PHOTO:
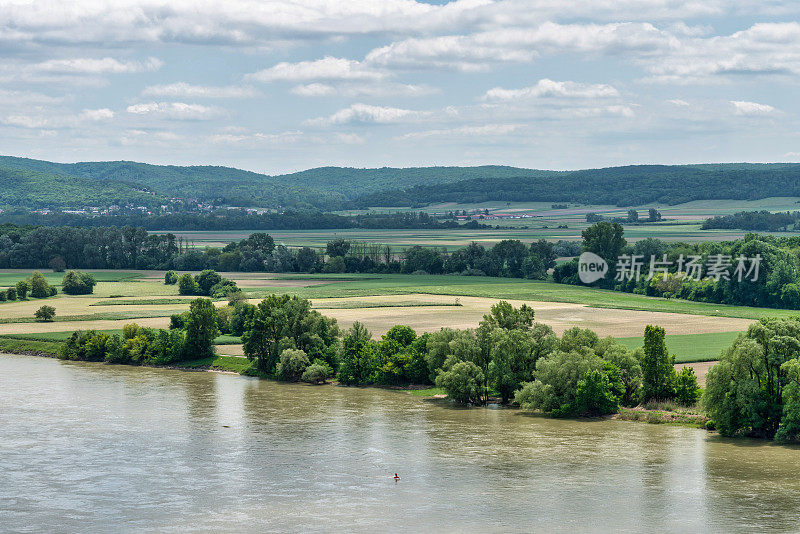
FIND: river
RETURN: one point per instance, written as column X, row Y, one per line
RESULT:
column 91, row 447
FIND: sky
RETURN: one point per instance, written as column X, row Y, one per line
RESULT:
column 277, row 86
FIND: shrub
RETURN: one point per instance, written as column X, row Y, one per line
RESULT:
column 317, row 373
column 78, row 283
column 206, row 280
column 686, row 390
column 170, row 278
column 11, row 293
column 292, row 364
column 3, row 296
column 177, row 321
column 45, row 313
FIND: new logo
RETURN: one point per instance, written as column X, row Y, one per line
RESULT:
column 591, row 267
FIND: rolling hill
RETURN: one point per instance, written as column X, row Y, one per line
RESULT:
column 36, row 183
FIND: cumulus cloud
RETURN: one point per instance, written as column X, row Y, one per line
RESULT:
column 327, row 68
column 742, row 107
column 175, row 110
column 101, row 114
column 471, row 131
column 357, row 90
column 547, row 88
column 238, row 137
column 365, row 113
column 105, row 65
column 186, row 90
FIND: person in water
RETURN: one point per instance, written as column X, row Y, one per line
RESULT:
column 396, row 476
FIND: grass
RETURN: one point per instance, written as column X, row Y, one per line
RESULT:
column 104, row 316
column 20, row 346
column 141, row 302
column 513, row 289
column 354, row 305
column 691, row 347
column 9, row 278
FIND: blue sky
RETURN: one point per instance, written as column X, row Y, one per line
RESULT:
column 276, row 85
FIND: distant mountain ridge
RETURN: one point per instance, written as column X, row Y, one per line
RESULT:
column 36, row 183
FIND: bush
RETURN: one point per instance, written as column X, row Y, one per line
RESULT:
column 686, row 390
column 170, row 278
column 317, row 373
column 3, row 296
column 187, row 285
column 78, row 283
column 11, row 293
column 177, row 321
column 206, row 280
column 291, row 365
column 45, row 314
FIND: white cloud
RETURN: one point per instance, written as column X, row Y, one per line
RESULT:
column 246, row 138
column 106, row 65
column 479, row 51
column 357, row 90
column 548, row 88
column 101, row 114
column 742, row 107
column 175, row 110
column 678, row 102
column 327, row 68
column 186, row 90
column 471, row 131
column 365, row 113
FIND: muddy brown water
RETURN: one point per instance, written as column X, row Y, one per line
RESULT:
column 91, row 447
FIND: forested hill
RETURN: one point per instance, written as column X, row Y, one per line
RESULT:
column 34, row 190
column 47, row 184
column 326, row 188
column 622, row 186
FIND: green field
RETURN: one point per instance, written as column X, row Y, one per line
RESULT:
column 691, row 347
column 681, row 223
column 9, row 277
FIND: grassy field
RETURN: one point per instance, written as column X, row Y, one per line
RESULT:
column 426, row 303
column 691, row 347
column 541, row 221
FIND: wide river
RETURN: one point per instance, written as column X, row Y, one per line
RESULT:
column 91, row 447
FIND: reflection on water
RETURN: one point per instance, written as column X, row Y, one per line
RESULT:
column 88, row 447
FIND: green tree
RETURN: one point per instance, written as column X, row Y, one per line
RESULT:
column 291, row 365
column 658, row 373
column 594, row 395
column 187, row 285
column 170, row 278
column 337, row 247
column 463, row 382
column 357, row 360
column 513, row 361
column 687, row 391
column 201, row 329
column 605, row 239
column 39, row 286
column 11, row 293
column 207, row 279
column 78, row 283
column 317, row 373
column 22, row 289
column 283, row 322
column 45, row 313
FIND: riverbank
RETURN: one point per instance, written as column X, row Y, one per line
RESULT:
column 663, row 413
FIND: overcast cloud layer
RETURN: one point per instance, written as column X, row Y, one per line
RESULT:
column 282, row 85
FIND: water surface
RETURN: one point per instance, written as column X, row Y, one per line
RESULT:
column 91, row 447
